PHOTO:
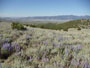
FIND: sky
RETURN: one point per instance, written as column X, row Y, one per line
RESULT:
column 25, row 8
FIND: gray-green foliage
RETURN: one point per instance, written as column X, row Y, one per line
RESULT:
column 43, row 48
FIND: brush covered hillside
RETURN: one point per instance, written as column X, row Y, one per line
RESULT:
column 79, row 24
column 23, row 46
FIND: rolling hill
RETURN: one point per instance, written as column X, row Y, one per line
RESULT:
column 84, row 23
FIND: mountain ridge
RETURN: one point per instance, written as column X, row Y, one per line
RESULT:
column 45, row 18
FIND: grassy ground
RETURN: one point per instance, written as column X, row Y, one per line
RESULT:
column 44, row 48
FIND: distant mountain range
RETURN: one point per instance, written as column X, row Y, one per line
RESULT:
column 44, row 18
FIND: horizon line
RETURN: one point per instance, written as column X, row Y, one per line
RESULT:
column 46, row 15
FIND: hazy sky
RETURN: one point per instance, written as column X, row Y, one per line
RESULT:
column 18, row 8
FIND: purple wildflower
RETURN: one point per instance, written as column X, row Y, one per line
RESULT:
column 86, row 65
column 28, row 37
column 7, row 40
column 45, row 59
column 54, row 44
column 45, row 42
column 7, row 46
column 60, row 38
column 77, row 48
column 30, row 59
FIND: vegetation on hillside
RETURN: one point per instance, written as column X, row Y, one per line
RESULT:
column 43, row 48
column 65, row 26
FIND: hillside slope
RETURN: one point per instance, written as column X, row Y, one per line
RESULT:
column 43, row 48
column 79, row 24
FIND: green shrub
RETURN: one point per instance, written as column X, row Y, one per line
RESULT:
column 79, row 28
column 18, row 26
column 32, row 25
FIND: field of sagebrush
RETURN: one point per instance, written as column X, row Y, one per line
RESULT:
column 44, row 48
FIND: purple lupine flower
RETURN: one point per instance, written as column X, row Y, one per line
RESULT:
column 38, row 57
column 86, row 65
column 45, row 59
column 6, row 40
column 60, row 38
column 57, row 44
column 54, row 44
column 45, row 42
column 55, row 64
column 77, row 48
column 60, row 45
column 30, row 59
column 7, row 46
column 28, row 37
column 71, row 47
column 54, row 36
